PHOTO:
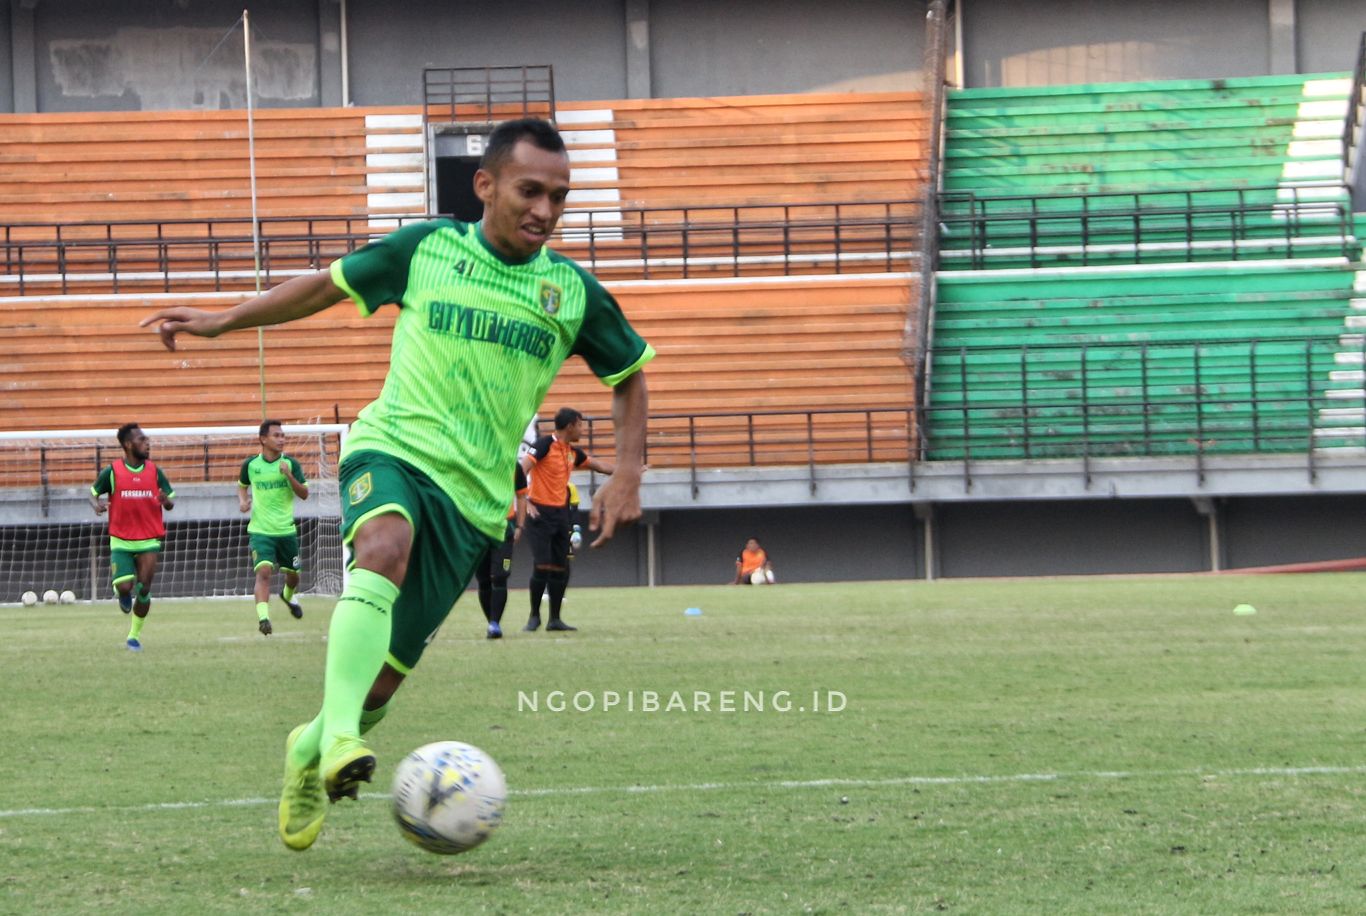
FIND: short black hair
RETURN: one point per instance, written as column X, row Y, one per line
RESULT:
column 126, row 433
column 566, row 416
column 505, row 136
column 266, row 425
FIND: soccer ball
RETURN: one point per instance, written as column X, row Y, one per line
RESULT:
column 50, row 596
column 29, row 599
column 448, row 797
column 761, row 577
column 68, row 597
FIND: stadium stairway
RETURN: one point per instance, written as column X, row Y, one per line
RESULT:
column 1343, row 423
column 734, row 335
column 764, row 345
column 1141, row 360
column 1145, row 172
column 63, row 167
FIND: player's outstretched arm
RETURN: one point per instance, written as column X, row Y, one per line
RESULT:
column 602, row 467
column 618, row 502
column 291, row 300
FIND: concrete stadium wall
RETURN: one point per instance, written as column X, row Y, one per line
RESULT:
column 1327, row 32
column 838, row 543
column 88, row 55
column 585, row 43
column 718, row 47
column 1018, row 538
column 1068, row 41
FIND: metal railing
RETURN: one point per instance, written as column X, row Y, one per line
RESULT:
column 1184, row 225
column 769, row 438
column 1105, row 400
column 688, row 441
column 712, row 241
column 837, row 237
column 487, row 94
column 918, row 334
column 1352, row 130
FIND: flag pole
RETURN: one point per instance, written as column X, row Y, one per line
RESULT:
column 255, row 223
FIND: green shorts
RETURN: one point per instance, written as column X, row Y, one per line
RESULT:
column 123, row 563
column 280, row 550
column 445, row 549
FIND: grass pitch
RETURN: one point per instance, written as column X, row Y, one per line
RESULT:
column 1061, row 746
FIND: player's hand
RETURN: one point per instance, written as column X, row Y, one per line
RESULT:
column 615, row 505
column 101, row 508
column 287, row 470
column 172, row 321
column 531, row 510
column 516, row 534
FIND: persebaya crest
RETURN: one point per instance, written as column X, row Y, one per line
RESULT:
column 550, row 297
column 360, row 489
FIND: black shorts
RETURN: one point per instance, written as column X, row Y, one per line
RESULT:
column 498, row 561
column 548, row 534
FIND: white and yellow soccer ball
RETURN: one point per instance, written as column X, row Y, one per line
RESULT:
column 448, row 796
column 30, row 598
column 50, row 596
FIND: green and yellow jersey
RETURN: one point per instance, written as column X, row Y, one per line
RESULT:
column 272, row 498
column 478, row 341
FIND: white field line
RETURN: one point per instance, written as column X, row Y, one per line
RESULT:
column 891, row 782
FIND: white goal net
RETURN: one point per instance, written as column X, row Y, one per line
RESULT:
column 50, row 537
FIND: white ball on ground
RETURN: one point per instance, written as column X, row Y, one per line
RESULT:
column 68, row 597
column 50, row 596
column 29, row 599
column 448, row 796
column 758, row 578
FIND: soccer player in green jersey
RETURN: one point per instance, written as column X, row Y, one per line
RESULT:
column 267, row 486
column 487, row 314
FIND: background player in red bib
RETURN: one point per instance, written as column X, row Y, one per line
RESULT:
column 134, row 492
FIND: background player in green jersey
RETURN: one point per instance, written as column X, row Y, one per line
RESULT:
column 134, row 492
column 267, row 486
column 487, row 314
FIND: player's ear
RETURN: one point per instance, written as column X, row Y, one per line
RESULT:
column 483, row 185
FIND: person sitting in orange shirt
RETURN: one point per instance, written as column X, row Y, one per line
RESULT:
column 752, row 566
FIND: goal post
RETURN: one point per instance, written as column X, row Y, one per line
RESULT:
column 50, row 538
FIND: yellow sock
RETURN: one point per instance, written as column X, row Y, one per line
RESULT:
column 262, row 610
column 136, row 628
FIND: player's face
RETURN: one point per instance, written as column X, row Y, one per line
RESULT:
column 570, row 433
column 274, row 440
column 524, row 200
column 139, row 446
column 751, row 544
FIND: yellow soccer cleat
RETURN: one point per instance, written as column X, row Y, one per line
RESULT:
column 303, row 802
column 347, row 764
